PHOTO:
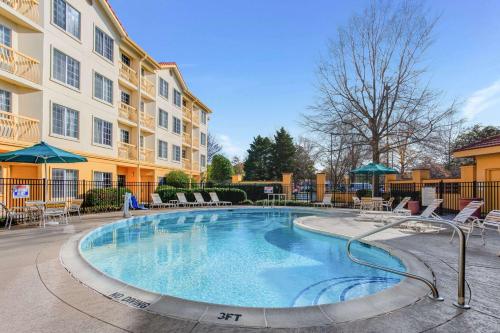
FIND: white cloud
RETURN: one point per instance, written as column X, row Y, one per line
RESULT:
column 483, row 100
column 229, row 147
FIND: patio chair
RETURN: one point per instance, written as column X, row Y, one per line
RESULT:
column 490, row 222
column 55, row 210
column 427, row 213
column 215, row 198
column 356, row 203
column 327, row 201
column 158, row 203
column 183, row 201
column 12, row 213
column 466, row 220
column 199, row 199
column 387, row 205
column 400, row 208
column 74, row 207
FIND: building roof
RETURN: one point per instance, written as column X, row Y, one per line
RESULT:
column 488, row 142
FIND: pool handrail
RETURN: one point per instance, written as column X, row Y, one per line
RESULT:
column 460, row 303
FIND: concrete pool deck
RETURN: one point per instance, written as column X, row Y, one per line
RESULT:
column 39, row 295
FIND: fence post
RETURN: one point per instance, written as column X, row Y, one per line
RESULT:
column 441, row 196
column 43, row 189
column 474, row 189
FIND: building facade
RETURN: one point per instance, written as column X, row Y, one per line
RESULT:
column 72, row 77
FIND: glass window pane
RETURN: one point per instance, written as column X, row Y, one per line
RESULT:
column 73, row 21
column 59, row 13
column 5, row 101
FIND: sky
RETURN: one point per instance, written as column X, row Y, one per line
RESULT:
column 254, row 62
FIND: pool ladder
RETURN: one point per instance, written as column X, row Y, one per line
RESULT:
column 460, row 303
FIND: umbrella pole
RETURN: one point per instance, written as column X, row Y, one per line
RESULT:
column 373, row 185
column 46, row 182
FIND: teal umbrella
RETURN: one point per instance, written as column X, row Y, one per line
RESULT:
column 374, row 169
column 41, row 153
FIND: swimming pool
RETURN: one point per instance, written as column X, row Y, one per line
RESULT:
column 242, row 257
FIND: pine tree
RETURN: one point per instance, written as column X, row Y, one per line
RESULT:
column 258, row 163
column 283, row 153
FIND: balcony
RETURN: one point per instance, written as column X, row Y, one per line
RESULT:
column 196, row 117
column 27, row 8
column 146, row 155
column 148, row 87
column 19, row 64
column 128, row 74
column 147, row 122
column 196, row 142
column 17, row 128
column 196, row 166
column 186, row 163
column 127, row 151
column 128, row 113
column 186, row 113
column 186, row 138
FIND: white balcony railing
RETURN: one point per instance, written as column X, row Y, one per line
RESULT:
column 128, row 74
column 18, row 128
column 148, row 87
column 147, row 121
column 127, row 112
column 127, row 151
column 19, row 64
column 146, row 155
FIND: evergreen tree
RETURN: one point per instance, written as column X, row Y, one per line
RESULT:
column 257, row 166
column 283, row 153
column 220, row 169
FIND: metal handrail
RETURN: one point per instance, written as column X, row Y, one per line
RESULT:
column 435, row 293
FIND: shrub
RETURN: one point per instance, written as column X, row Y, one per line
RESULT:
column 177, row 179
column 364, row 193
column 106, row 198
column 234, row 195
column 256, row 191
column 282, row 203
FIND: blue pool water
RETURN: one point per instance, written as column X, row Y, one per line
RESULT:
column 244, row 257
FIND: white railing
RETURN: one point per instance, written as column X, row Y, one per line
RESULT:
column 127, row 151
column 148, row 87
column 128, row 74
column 18, row 128
column 28, row 8
column 128, row 112
column 147, row 121
column 19, row 64
column 146, row 155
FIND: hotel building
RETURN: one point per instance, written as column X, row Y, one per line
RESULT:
column 72, row 77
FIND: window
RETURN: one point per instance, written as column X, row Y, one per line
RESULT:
column 162, row 118
column 143, row 105
column 65, row 121
column 104, row 44
column 125, row 97
column 176, row 152
column 66, row 69
column 163, row 88
column 124, row 136
column 177, row 98
column 66, row 17
column 126, row 59
column 203, row 139
column 64, row 183
column 103, row 88
column 162, row 180
column 122, row 180
column 102, row 179
column 5, row 36
column 184, row 153
column 203, row 117
column 141, row 141
column 5, row 100
column 103, row 132
column 203, row 160
column 177, row 125
column 162, row 149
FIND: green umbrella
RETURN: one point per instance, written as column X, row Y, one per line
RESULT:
column 41, row 153
column 374, row 169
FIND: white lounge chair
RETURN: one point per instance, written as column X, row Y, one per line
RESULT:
column 327, row 201
column 215, row 198
column 183, row 201
column 400, row 208
column 199, row 199
column 381, row 215
column 465, row 219
column 356, row 202
column 427, row 213
column 158, row 203
column 490, row 222
column 387, row 205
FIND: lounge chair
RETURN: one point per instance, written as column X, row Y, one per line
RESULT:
column 199, row 199
column 356, row 203
column 135, row 205
column 215, row 198
column 465, row 219
column 183, row 201
column 400, row 208
column 158, row 203
column 490, row 222
column 387, row 205
column 381, row 214
column 427, row 213
column 327, row 201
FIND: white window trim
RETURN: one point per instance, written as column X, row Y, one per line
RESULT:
column 173, row 126
column 159, row 86
column 160, row 126
column 112, row 134
column 173, row 99
column 173, row 154
column 59, row 136
column 53, row 79
column 76, row 39
column 158, row 155
column 112, row 62
column 112, row 91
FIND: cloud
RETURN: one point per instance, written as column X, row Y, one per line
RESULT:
column 483, row 100
column 229, row 146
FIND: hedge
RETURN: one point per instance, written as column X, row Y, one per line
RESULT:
column 282, row 203
column 104, row 199
column 225, row 194
column 256, row 191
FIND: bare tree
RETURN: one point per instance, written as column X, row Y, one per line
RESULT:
column 213, row 147
column 371, row 89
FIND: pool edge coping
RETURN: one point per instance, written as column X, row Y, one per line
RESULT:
column 405, row 293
